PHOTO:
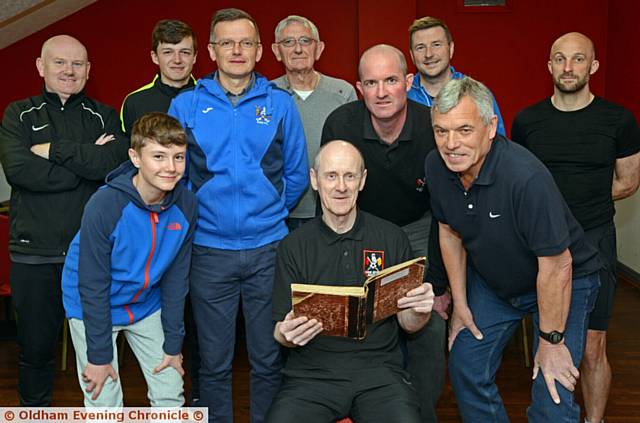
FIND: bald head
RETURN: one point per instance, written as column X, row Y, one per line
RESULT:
column 571, row 64
column 338, row 175
column 576, row 40
column 385, row 51
column 64, row 66
column 64, row 42
column 339, row 148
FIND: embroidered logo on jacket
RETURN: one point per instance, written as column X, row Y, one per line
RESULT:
column 175, row 226
column 261, row 115
column 207, row 110
column 38, row 128
column 373, row 262
column 420, row 183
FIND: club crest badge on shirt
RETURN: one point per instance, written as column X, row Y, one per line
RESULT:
column 261, row 115
column 373, row 262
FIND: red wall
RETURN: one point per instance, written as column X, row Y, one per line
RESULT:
column 623, row 78
column 506, row 50
column 509, row 51
column 117, row 35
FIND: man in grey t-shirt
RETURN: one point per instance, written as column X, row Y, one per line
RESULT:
column 298, row 46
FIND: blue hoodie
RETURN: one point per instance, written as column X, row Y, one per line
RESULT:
column 247, row 164
column 129, row 260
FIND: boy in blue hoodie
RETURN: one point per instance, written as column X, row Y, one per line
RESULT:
column 127, row 269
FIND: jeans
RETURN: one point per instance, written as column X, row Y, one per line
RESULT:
column 219, row 279
column 473, row 364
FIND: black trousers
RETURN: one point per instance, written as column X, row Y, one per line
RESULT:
column 376, row 395
column 37, row 295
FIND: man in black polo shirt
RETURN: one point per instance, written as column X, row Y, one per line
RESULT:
column 591, row 147
column 327, row 377
column 510, row 246
column 394, row 135
column 174, row 48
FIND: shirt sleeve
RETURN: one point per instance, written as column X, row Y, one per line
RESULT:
column 25, row 169
column 541, row 215
column 89, row 160
column 431, row 180
column 296, row 166
column 175, row 286
column 94, row 280
column 126, row 116
column 628, row 139
column 328, row 129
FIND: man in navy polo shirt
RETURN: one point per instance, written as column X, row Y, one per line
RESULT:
column 511, row 247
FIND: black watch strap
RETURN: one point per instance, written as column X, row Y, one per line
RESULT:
column 553, row 337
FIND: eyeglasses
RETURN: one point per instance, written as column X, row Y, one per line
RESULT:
column 291, row 42
column 230, row 44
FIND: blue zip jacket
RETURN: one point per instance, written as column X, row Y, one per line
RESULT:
column 247, row 164
column 128, row 260
column 419, row 94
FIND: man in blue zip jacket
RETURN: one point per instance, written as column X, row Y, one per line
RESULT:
column 248, row 167
column 127, row 269
column 431, row 47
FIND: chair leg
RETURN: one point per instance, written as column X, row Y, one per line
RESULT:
column 65, row 340
column 525, row 343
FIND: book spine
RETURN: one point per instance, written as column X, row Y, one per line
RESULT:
column 362, row 317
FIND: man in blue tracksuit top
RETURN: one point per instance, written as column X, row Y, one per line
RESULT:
column 248, row 167
column 431, row 47
column 127, row 269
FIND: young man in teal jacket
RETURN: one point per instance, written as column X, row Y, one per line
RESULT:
column 127, row 269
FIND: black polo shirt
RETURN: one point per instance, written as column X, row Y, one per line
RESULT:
column 512, row 214
column 315, row 254
column 395, row 173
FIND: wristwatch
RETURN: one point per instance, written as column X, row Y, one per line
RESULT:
column 553, row 337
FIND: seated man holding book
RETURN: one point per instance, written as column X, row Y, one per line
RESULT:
column 328, row 377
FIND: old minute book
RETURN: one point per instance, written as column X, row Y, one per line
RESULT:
column 347, row 310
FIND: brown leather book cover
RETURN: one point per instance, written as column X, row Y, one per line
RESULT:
column 388, row 286
column 346, row 310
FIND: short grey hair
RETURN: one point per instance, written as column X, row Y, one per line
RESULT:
column 302, row 21
column 452, row 93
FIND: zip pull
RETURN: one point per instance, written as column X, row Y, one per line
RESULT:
column 154, row 215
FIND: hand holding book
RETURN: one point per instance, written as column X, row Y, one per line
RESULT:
column 296, row 331
column 417, row 305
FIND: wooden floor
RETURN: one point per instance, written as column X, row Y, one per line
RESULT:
column 513, row 378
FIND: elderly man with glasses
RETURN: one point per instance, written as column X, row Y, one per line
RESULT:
column 298, row 47
column 248, row 167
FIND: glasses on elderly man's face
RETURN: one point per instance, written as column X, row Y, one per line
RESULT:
column 230, row 44
column 291, row 42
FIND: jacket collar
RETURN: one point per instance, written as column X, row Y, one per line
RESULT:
column 54, row 99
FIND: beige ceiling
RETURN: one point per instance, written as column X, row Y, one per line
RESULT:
column 21, row 18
